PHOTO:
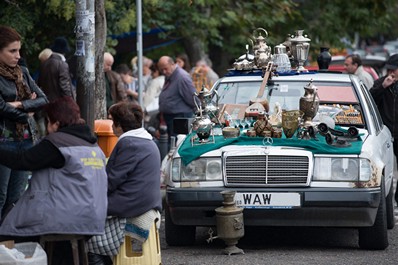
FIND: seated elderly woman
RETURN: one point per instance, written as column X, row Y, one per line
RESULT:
column 133, row 172
column 68, row 183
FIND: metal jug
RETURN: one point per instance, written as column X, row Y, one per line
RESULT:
column 207, row 105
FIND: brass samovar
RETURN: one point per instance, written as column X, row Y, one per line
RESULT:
column 230, row 226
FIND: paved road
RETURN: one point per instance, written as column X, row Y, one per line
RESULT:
column 283, row 246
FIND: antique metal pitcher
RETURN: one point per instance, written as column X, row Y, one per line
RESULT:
column 207, row 105
column 309, row 103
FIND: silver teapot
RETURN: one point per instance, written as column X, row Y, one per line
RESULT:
column 262, row 52
column 207, row 105
column 203, row 126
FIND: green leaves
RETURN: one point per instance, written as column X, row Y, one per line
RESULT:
column 222, row 24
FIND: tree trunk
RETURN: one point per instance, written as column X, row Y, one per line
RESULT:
column 221, row 60
column 100, row 39
column 85, row 54
column 194, row 49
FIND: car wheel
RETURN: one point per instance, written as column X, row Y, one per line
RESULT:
column 375, row 237
column 178, row 235
column 390, row 208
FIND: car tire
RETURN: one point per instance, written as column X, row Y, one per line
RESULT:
column 178, row 235
column 376, row 237
column 390, row 208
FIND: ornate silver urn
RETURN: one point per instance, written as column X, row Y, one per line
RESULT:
column 309, row 103
column 300, row 46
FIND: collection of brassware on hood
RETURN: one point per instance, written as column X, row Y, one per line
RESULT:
column 256, row 122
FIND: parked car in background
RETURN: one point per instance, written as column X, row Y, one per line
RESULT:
column 287, row 182
column 377, row 50
column 391, row 47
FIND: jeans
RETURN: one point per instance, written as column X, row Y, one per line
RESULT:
column 12, row 182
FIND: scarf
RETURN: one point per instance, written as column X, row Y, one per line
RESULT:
column 23, row 92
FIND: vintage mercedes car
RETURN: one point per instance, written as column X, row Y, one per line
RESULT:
column 331, row 167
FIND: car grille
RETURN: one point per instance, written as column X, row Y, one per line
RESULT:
column 266, row 170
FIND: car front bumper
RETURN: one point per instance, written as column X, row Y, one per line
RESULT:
column 320, row 207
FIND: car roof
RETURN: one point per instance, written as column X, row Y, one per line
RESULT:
column 316, row 76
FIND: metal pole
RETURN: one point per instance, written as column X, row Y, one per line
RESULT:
column 139, row 50
column 85, row 52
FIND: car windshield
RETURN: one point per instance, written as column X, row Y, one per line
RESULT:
column 336, row 98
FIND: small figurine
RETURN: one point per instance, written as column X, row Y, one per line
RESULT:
column 276, row 118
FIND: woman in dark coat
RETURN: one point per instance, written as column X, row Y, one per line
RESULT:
column 20, row 98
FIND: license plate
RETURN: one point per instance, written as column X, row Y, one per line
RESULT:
column 272, row 200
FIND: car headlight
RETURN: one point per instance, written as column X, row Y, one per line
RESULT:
column 342, row 169
column 201, row 169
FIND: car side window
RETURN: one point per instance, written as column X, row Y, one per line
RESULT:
column 374, row 112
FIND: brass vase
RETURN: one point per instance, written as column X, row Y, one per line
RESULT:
column 309, row 103
column 290, row 121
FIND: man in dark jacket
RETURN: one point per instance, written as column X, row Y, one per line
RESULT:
column 385, row 94
column 114, row 86
column 176, row 100
column 55, row 78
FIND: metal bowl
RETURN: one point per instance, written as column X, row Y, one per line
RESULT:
column 230, row 132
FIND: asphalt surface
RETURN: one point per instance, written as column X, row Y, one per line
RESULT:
column 283, row 246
